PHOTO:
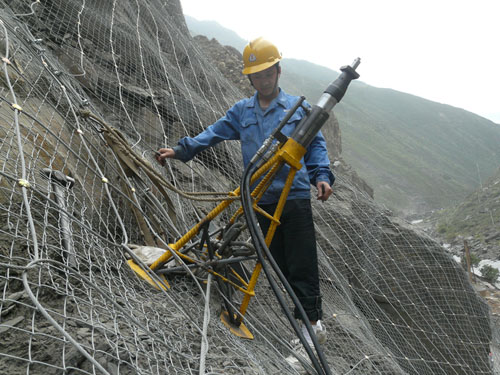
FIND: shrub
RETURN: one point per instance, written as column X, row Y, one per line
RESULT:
column 441, row 228
column 489, row 273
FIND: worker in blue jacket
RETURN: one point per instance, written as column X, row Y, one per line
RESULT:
column 251, row 121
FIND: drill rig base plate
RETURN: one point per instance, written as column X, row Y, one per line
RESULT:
column 240, row 331
column 142, row 274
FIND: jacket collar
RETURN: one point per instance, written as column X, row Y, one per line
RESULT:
column 280, row 99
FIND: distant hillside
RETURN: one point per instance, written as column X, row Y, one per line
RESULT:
column 478, row 215
column 418, row 155
column 212, row 29
column 305, row 78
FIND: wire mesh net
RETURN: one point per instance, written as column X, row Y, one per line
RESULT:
column 78, row 75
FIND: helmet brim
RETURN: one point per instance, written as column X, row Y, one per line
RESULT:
column 260, row 67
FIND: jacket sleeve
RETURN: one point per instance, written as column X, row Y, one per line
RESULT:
column 226, row 128
column 317, row 161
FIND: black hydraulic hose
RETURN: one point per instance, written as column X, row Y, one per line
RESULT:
column 262, row 252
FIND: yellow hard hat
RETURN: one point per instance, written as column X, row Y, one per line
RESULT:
column 259, row 55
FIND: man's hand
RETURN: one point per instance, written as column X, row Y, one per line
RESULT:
column 164, row 153
column 324, row 190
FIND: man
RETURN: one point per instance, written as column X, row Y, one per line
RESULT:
column 251, row 121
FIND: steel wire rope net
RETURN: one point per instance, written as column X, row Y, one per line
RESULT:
column 394, row 301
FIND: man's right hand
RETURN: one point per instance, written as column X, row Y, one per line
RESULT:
column 164, row 153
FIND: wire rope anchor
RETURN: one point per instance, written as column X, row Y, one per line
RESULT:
column 60, row 183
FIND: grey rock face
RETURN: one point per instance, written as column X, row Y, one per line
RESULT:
column 394, row 301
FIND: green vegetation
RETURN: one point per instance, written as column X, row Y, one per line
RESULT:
column 446, row 231
column 489, row 273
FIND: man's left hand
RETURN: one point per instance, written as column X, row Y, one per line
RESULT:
column 324, row 190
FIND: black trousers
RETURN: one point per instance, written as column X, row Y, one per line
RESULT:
column 294, row 249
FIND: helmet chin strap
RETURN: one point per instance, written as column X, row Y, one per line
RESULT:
column 275, row 88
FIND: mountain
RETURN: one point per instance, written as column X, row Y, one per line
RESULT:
column 476, row 218
column 418, row 155
column 225, row 36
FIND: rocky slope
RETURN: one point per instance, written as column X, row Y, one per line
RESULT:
column 476, row 219
column 394, row 301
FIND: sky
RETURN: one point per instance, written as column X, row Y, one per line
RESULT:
column 446, row 51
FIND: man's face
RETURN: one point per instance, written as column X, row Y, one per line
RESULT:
column 265, row 81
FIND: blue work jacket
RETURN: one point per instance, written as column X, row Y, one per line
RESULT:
column 247, row 122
